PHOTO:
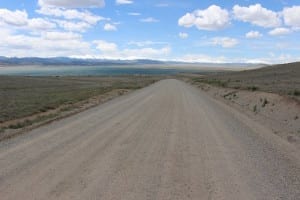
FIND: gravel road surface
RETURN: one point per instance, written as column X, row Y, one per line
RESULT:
column 166, row 141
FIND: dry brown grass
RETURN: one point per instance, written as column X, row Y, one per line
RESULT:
column 281, row 79
column 26, row 96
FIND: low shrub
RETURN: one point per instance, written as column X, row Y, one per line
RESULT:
column 253, row 88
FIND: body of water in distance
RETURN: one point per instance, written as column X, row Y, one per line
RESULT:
column 86, row 70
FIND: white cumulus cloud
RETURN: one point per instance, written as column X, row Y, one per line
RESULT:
column 72, row 3
column 109, row 27
column 280, row 31
column 183, row 35
column 73, row 26
column 291, row 16
column 15, row 18
column 54, row 35
column 146, row 43
column 71, row 14
column 40, row 24
column 257, row 15
column 42, row 46
column 253, row 34
column 225, row 42
column 213, row 18
column 19, row 19
column 145, row 53
column 110, row 50
column 119, row 2
column 105, row 47
column 134, row 14
column 202, row 58
column 149, row 20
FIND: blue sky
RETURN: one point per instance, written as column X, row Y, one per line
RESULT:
column 180, row 30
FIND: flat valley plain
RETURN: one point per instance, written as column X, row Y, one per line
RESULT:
column 29, row 100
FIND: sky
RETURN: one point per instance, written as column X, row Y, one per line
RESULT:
column 178, row 30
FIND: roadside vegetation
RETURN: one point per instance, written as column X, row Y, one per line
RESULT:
column 28, row 100
column 281, row 79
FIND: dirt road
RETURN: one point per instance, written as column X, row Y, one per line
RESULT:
column 167, row 141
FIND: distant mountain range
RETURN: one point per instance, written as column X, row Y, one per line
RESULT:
column 73, row 61
column 13, row 61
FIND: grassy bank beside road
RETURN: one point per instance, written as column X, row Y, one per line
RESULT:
column 27, row 100
column 280, row 79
